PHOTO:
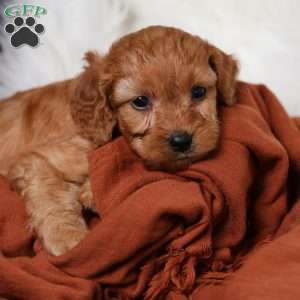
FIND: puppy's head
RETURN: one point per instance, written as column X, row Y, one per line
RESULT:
column 165, row 91
column 164, row 86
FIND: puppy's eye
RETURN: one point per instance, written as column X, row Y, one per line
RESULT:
column 140, row 103
column 198, row 92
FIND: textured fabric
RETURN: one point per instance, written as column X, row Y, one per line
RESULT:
column 163, row 235
column 270, row 272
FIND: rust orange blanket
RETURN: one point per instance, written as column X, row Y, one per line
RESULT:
column 163, row 236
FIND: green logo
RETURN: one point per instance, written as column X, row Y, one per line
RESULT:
column 23, row 10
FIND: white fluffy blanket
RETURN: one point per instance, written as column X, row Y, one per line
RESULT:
column 263, row 35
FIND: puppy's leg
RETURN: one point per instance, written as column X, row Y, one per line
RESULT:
column 86, row 195
column 51, row 202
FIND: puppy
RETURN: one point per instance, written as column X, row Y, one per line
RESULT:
column 164, row 86
column 161, row 85
column 45, row 135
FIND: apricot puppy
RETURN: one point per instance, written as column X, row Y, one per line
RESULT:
column 165, row 85
column 45, row 136
column 161, row 85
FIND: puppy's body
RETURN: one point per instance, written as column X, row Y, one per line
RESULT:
column 31, row 119
column 161, row 85
column 43, row 153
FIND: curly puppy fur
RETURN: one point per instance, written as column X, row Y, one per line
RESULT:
column 164, row 64
column 47, row 132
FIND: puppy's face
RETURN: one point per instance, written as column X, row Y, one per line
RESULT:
column 167, row 112
column 164, row 91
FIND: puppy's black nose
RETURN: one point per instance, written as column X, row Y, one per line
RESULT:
column 180, row 141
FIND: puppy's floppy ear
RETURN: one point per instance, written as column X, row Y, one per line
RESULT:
column 90, row 108
column 226, row 69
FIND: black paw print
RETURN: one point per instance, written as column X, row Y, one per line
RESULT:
column 22, row 34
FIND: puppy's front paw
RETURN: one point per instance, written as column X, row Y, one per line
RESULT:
column 59, row 239
column 86, row 196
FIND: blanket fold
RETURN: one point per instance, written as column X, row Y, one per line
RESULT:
column 159, row 233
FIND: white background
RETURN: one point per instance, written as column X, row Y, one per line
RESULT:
column 263, row 35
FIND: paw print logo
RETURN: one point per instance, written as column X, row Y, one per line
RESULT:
column 24, row 33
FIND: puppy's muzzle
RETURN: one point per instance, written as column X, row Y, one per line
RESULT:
column 180, row 141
